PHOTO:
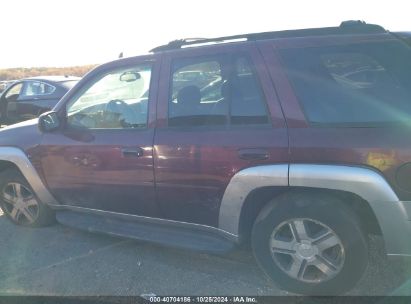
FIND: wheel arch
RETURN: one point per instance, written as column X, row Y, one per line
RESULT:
column 14, row 157
column 259, row 198
column 5, row 164
column 366, row 190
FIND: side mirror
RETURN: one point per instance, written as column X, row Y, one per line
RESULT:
column 48, row 122
column 130, row 76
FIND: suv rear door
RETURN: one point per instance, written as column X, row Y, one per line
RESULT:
column 217, row 114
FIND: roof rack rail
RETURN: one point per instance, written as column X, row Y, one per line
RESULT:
column 346, row 27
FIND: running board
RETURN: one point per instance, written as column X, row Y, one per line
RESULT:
column 168, row 235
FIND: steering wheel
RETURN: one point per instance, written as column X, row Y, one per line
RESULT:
column 115, row 112
column 116, row 106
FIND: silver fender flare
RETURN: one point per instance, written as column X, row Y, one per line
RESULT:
column 368, row 184
column 241, row 185
column 20, row 159
column 364, row 182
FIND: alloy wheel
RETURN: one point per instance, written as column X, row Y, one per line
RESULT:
column 20, row 203
column 307, row 250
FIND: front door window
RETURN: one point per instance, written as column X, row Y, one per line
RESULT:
column 117, row 100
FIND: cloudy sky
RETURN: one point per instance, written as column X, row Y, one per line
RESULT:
column 77, row 32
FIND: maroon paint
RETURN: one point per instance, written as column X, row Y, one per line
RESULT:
column 184, row 172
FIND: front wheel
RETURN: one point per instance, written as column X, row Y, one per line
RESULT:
column 19, row 202
column 310, row 244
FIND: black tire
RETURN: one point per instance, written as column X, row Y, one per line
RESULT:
column 321, row 208
column 44, row 215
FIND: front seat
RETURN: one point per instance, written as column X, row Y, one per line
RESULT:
column 188, row 100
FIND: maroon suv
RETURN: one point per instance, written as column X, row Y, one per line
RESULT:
column 294, row 142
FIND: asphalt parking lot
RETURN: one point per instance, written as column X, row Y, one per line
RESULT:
column 62, row 261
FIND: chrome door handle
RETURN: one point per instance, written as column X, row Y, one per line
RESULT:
column 253, row 154
column 132, row 152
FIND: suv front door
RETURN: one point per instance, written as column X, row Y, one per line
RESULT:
column 103, row 159
column 217, row 114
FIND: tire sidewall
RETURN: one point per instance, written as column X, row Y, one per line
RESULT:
column 324, row 209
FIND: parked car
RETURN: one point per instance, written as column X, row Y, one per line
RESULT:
column 27, row 98
column 301, row 151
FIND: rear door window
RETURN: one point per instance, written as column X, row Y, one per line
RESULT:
column 247, row 103
column 359, row 84
column 216, row 91
column 196, row 97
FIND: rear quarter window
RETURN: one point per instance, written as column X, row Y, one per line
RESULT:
column 359, row 84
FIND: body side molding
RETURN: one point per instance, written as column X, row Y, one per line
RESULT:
column 20, row 159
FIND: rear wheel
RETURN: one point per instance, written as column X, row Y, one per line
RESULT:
column 20, row 204
column 310, row 244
